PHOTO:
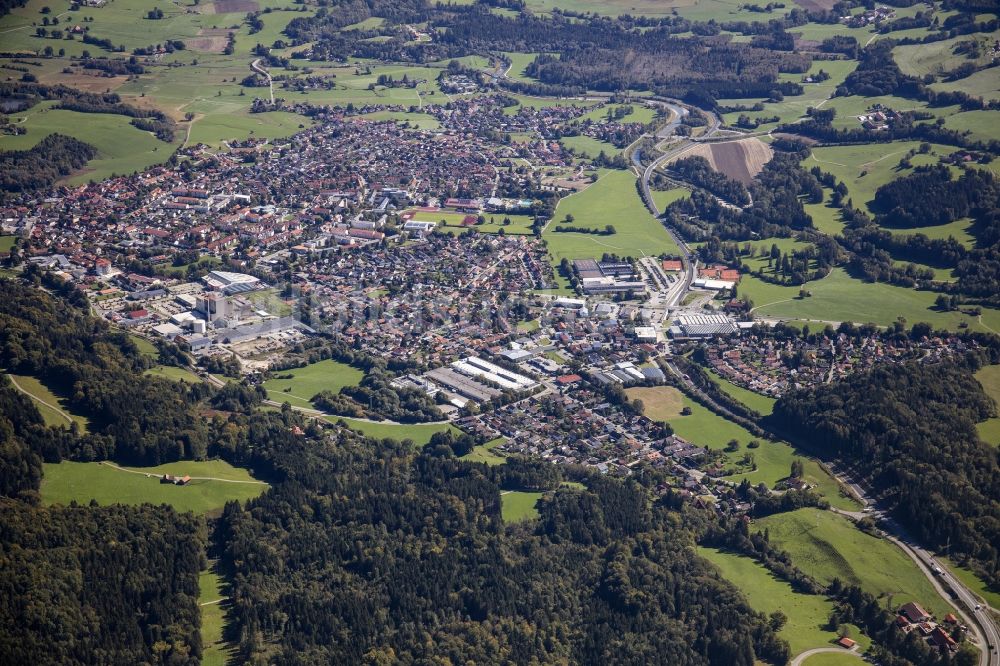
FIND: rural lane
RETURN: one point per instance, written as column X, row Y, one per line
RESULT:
column 808, row 653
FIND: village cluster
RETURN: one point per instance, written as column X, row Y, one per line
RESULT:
column 370, row 238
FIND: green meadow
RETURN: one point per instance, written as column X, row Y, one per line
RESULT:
column 839, row 297
column 7, row 243
column 808, row 614
column 774, row 459
column 174, row 373
column 826, row 545
column 664, row 198
column 833, row 659
column 211, row 599
column 52, row 407
column 297, row 386
column 518, row 505
column 484, row 453
column 518, row 62
column 121, row 148
column 419, row 433
column 991, row 596
column 415, row 120
column 763, row 404
column 989, row 377
column 613, row 200
column 81, row 482
column 586, row 146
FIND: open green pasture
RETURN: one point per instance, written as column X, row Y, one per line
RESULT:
column 808, row 614
column 297, row 386
column 700, row 10
column 51, row 406
column 761, row 403
column 484, row 453
column 418, row 433
column 613, row 200
column 415, row 120
column 839, row 297
column 826, row 545
column 519, row 224
column 174, row 373
column 211, row 596
column 844, row 658
column 989, row 430
column 640, row 113
column 518, row 505
column 518, row 62
column 866, row 167
column 664, row 198
column 589, row 147
column 121, row 148
column 978, row 586
column 936, row 58
column 774, row 459
column 68, row 481
column 985, row 83
column 793, row 107
column 980, row 124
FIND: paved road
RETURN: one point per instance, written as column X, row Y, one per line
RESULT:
column 979, row 621
column 808, row 653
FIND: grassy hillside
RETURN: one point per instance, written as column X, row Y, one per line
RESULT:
column 827, row 546
column 82, row 482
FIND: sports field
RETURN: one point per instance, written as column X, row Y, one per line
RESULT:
column 82, row 482
column 52, row 407
column 827, row 546
column 808, row 614
column 297, row 386
column 518, row 505
column 613, row 200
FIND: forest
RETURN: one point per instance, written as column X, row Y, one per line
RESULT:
column 134, row 418
column 908, row 432
column 602, row 578
column 54, row 157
